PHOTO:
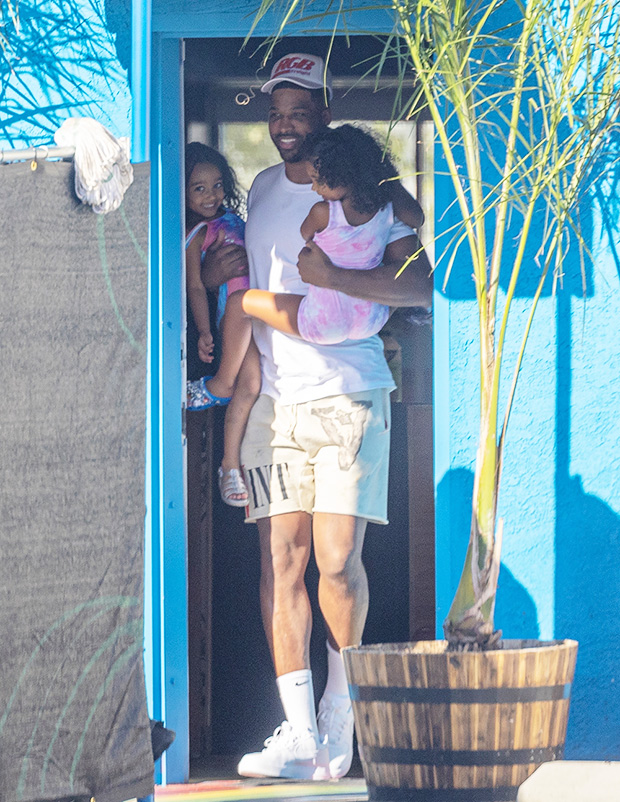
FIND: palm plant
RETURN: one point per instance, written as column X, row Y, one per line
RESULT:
column 525, row 97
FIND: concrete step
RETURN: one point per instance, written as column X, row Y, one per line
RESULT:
column 573, row 781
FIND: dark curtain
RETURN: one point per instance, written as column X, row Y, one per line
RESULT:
column 73, row 716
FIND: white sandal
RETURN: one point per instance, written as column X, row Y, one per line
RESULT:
column 231, row 484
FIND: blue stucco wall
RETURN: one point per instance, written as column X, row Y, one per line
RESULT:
column 63, row 59
column 560, row 493
column 587, row 494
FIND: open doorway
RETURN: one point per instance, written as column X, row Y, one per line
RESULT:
column 233, row 700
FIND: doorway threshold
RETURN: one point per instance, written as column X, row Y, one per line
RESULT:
column 349, row 789
column 214, row 779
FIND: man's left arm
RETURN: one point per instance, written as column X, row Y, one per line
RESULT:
column 413, row 287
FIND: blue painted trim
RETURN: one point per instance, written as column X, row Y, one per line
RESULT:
column 140, row 79
column 211, row 19
column 441, row 430
column 153, row 579
column 140, row 126
column 169, row 552
column 151, row 521
column 441, row 421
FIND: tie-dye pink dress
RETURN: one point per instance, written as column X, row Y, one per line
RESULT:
column 327, row 316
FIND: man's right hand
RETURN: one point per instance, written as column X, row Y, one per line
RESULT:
column 223, row 261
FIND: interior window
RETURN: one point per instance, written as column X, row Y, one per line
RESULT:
column 247, row 146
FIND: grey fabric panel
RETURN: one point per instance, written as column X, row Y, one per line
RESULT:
column 73, row 717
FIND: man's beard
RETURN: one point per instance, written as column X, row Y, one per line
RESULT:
column 292, row 156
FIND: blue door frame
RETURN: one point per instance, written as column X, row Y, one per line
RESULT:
column 157, row 136
column 168, row 552
column 157, row 87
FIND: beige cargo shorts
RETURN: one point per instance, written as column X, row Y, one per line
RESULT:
column 329, row 456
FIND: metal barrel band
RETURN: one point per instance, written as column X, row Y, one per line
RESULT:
column 474, row 696
column 388, row 794
column 459, row 757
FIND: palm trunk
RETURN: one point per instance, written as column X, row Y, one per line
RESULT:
column 469, row 624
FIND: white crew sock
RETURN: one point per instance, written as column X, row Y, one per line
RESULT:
column 297, row 696
column 337, row 684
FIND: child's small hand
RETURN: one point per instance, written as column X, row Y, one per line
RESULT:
column 205, row 347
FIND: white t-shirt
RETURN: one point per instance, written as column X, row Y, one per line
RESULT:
column 294, row 371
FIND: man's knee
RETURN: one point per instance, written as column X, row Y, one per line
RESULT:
column 338, row 545
column 289, row 560
column 340, row 561
column 342, row 568
column 285, row 547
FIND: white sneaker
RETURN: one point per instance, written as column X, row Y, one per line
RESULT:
column 288, row 753
column 335, row 722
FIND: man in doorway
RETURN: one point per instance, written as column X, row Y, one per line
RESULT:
column 316, row 449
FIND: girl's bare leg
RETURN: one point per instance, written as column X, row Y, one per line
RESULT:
column 245, row 394
column 278, row 310
column 236, row 336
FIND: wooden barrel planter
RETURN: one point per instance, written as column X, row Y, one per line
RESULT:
column 439, row 726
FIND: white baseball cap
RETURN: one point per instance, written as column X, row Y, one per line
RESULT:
column 302, row 69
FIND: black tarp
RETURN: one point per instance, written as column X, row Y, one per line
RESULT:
column 73, row 716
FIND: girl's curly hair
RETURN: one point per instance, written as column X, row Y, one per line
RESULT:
column 351, row 157
column 197, row 153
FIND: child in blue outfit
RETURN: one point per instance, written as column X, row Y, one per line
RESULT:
column 212, row 203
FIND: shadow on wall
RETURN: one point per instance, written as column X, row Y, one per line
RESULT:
column 461, row 286
column 57, row 61
column 587, row 530
column 602, row 188
column 118, row 18
column 587, row 592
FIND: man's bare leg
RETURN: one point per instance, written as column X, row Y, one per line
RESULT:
column 343, row 598
column 343, row 585
column 285, row 542
column 294, row 752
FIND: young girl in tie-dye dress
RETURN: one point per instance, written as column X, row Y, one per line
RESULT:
column 212, row 201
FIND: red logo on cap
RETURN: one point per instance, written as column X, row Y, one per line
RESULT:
column 297, row 64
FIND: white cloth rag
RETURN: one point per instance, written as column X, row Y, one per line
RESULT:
column 103, row 171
